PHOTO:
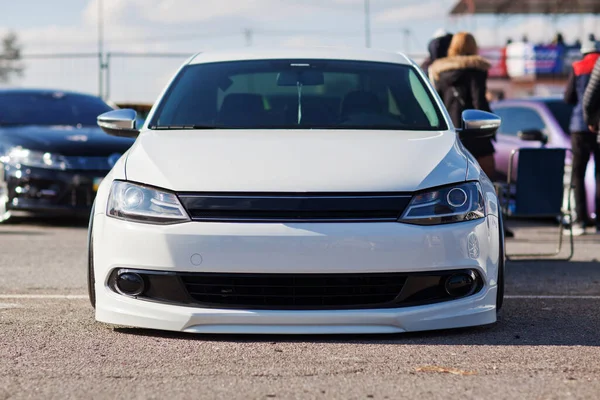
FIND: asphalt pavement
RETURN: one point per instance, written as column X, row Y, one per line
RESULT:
column 545, row 346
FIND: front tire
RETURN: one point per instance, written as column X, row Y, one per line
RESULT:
column 91, row 280
column 4, row 213
column 501, row 267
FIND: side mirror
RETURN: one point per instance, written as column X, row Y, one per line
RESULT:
column 119, row 123
column 478, row 124
column 533, row 135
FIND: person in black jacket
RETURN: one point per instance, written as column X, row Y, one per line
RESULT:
column 438, row 48
column 461, row 81
column 591, row 100
column 583, row 142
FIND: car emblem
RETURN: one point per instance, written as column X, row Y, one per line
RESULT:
column 113, row 158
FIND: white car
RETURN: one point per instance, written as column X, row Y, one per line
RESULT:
column 296, row 191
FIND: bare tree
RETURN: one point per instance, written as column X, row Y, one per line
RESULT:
column 10, row 60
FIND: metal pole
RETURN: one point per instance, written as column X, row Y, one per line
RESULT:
column 407, row 33
column 368, row 23
column 107, row 68
column 101, row 48
column 496, row 36
column 248, row 35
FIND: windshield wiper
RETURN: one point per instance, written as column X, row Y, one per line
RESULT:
column 179, row 127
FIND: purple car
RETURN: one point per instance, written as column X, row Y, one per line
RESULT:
column 527, row 123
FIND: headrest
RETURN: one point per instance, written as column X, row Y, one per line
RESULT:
column 241, row 109
column 242, row 102
column 360, row 101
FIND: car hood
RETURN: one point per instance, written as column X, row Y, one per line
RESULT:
column 296, row 160
column 64, row 140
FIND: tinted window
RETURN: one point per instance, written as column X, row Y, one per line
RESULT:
column 515, row 119
column 302, row 94
column 561, row 111
column 35, row 108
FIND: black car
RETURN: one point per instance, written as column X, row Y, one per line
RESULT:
column 52, row 153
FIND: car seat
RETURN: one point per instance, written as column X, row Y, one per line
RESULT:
column 242, row 109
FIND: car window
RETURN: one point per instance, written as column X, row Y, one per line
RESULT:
column 50, row 108
column 305, row 94
column 516, row 119
column 561, row 112
column 424, row 99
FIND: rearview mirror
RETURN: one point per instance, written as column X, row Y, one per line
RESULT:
column 533, row 135
column 478, row 124
column 121, row 123
column 305, row 77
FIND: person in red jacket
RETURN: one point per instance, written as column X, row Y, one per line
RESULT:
column 583, row 142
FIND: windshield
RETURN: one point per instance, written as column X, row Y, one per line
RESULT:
column 50, row 108
column 298, row 94
column 561, row 112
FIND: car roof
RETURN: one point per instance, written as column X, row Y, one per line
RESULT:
column 42, row 91
column 318, row 53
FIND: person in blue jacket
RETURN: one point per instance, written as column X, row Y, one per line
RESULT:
column 583, row 142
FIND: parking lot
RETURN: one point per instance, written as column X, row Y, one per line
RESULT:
column 545, row 346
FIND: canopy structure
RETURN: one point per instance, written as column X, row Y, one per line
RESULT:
column 469, row 7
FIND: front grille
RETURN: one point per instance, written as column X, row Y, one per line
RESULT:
column 294, row 290
column 295, row 207
column 62, row 190
column 88, row 163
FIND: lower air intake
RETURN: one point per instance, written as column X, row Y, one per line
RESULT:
column 295, row 290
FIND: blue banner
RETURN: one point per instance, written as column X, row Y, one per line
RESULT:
column 548, row 59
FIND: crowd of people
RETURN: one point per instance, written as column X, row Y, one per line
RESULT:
column 460, row 74
column 558, row 40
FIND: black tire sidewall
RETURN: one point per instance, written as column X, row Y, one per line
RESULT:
column 501, row 266
column 91, row 281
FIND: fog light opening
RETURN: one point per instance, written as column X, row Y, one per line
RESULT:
column 461, row 284
column 130, row 284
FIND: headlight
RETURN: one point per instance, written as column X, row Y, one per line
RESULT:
column 32, row 158
column 463, row 202
column 143, row 204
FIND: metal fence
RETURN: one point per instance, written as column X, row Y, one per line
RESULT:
column 77, row 72
column 118, row 77
column 131, row 77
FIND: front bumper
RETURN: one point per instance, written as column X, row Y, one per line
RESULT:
column 43, row 191
column 295, row 248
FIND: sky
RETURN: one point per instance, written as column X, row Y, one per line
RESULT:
column 70, row 28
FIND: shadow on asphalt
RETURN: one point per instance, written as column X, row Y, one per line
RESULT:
column 530, row 322
column 523, row 322
column 48, row 222
column 581, row 278
column 23, row 232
